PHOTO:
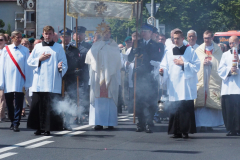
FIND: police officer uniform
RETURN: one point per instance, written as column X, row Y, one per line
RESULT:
column 74, row 70
column 84, row 78
column 146, row 85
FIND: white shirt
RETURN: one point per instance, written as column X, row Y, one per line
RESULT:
column 11, row 79
column 230, row 84
column 181, row 84
column 46, row 77
column 195, row 46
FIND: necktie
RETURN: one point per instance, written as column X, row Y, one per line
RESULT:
column 16, row 47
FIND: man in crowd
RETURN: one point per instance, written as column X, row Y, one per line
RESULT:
column 83, row 48
column 162, row 39
column 230, row 91
column 15, row 76
column 207, row 105
column 3, row 41
column 74, row 72
column 146, row 90
column 104, row 61
column 192, row 39
column 179, row 67
column 49, row 64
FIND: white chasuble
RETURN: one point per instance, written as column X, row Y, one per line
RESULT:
column 105, row 63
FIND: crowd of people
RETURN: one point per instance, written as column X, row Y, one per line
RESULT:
column 201, row 82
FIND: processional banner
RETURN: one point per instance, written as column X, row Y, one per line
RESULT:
column 102, row 8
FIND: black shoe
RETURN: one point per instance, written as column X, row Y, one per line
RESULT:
column 98, row 127
column 11, row 127
column 147, row 129
column 231, row 133
column 185, row 135
column 177, row 136
column 16, row 129
column 110, row 127
column 38, row 132
column 47, row 133
column 139, row 128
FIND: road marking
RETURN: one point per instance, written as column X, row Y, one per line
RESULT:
column 124, row 120
column 62, row 132
column 7, row 148
column 38, row 144
column 23, row 144
column 8, row 154
column 81, row 127
column 122, row 116
column 33, row 141
column 77, row 132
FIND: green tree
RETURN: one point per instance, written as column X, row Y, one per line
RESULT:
column 2, row 24
column 8, row 31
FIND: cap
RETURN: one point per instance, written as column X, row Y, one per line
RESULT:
column 146, row 26
column 80, row 29
column 67, row 32
column 23, row 35
column 128, row 38
column 31, row 40
column 155, row 30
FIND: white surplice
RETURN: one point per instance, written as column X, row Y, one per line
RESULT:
column 182, row 85
column 105, row 63
column 10, row 78
column 230, row 84
column 46, row 76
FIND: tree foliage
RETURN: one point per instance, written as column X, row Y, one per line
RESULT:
column 199, row 15
column 2, row 24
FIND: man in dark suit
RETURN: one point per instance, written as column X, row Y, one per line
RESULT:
column 146, row 86
column 84, row 78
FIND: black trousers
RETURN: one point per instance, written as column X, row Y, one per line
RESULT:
column 231, row 112
column 42, row 114
column 14, row 114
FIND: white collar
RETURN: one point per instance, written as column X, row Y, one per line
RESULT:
column 209, row 48
column 180, row 46
column 146, row 41
column 19, row 46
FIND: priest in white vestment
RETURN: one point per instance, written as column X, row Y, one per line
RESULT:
column 208, row 111
column 104, row 61
column 192, row 39
column 179, row 69
column 230, row 91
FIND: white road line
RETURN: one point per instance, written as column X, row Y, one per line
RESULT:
column 81, row 127
column 8, row 154
column 62, row 132
column 7, row 148
column 33, row 141
column 77, row 132
column 122, row 116
column 124, row 120
column 38, row 144
column 23, row 144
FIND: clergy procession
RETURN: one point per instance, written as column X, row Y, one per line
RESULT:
column 63, row 81
column 104, row 78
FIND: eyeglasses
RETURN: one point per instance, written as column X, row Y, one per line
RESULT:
column 1, row 40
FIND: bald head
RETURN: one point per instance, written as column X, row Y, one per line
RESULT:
column 234, row 41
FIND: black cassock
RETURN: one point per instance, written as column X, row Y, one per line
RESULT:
column 182, row 117
column 146, row 86
column 42, row 116
column 231, row 112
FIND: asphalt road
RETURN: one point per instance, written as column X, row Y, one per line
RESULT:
column 121, row 143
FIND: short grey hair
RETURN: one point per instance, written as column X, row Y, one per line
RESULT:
column 192, row 31
column 15, row 33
